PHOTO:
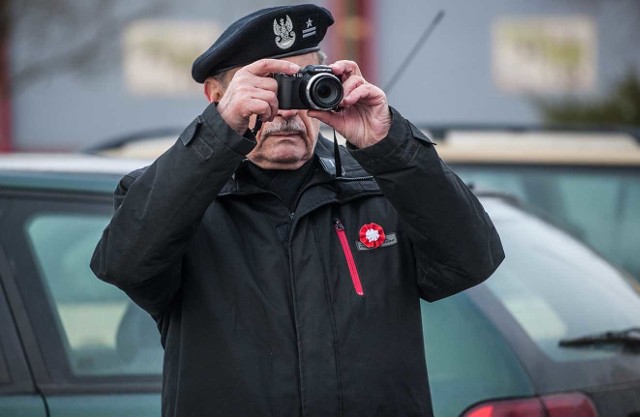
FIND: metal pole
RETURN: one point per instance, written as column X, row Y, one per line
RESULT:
column 5, row 97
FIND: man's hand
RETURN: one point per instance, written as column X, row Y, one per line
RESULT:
column 364, row 118
column 252, row 91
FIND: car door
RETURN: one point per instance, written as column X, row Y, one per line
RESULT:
column 92, row 351
column 18, row 395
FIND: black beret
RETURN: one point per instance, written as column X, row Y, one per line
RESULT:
column 276, row 32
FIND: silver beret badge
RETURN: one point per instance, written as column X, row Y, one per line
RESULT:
column 285, row 36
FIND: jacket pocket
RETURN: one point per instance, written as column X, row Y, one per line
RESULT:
column 348, row 256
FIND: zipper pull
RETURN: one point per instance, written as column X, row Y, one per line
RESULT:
column 348, row 257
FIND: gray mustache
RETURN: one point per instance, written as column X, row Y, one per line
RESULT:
column 283, row 126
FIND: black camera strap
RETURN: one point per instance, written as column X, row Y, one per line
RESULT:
column 336, row 155
column 257, row 127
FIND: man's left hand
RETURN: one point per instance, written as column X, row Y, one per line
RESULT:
column 364, row 118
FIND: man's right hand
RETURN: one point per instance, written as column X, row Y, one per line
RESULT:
column 252, row 91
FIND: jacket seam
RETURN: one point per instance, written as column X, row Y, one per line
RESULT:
column 336, row 348
column 299, row 347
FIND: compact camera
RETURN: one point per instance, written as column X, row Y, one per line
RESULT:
column 313, row 87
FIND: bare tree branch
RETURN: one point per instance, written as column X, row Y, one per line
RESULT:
column 64, row 36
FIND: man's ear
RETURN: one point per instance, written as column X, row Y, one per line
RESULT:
column 213, row 90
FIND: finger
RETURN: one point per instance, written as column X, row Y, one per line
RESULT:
column 261, row 108
column 246, row 96
column 365, row 93
column 261, row 83
column 326, row 117
column 265, row 67
column 270, row 99
column 248, row 86
column 345, row 69
column 351, row 84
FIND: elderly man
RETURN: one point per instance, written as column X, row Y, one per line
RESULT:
column 286, row 279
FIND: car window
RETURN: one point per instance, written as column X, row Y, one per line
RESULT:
column 556, row 288
column 467, row 358
column 606, row 208
column 600, row 205
column 85, row 328
column 103, row 332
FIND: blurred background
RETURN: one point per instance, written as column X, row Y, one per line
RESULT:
column 77, row 73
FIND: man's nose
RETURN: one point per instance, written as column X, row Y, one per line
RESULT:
column 288, row 114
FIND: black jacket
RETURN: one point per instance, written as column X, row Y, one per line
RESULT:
column 258, row 306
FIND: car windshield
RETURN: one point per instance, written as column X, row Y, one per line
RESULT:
column 599, row 204
column 555, row 288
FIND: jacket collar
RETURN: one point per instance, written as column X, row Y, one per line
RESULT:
column 350, row 168
column 354, row 177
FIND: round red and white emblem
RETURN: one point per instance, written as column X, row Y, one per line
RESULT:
column 372, row 235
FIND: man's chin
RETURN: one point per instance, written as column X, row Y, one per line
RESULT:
column 282, row 157
column 287, row 161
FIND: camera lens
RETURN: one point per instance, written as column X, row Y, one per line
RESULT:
column 324, row 92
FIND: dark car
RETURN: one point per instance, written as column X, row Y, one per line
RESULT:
column 550, row 334
column 588, row 180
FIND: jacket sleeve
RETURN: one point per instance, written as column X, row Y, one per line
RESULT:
column 455, row 243
column 158, row 210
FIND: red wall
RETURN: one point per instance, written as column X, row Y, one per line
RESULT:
column 353, row 35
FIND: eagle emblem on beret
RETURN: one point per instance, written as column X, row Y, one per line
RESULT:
column 285, row 36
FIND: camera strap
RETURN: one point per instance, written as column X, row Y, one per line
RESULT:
column 257, row 127
column 336, row 155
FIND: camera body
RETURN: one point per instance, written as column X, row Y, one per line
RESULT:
column 313, row 87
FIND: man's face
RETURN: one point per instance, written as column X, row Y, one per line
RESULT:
column 289, row 140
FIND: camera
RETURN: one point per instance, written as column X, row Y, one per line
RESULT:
column 313, row 87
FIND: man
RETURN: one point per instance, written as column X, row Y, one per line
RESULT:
column 282, row 286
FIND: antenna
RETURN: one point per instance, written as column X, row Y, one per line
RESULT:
column 403, row 66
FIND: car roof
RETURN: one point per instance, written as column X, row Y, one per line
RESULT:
column 87, row 173
column 72, row 172
column 537, row 146
column 59, row 162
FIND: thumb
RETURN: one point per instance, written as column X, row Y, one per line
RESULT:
column 326, row 117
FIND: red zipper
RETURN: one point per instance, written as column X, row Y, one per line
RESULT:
column 355, row 278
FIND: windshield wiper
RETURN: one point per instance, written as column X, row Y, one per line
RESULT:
column 629, row 338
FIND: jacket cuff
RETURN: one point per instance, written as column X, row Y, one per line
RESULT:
column 396, row 150
column 211, row 128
